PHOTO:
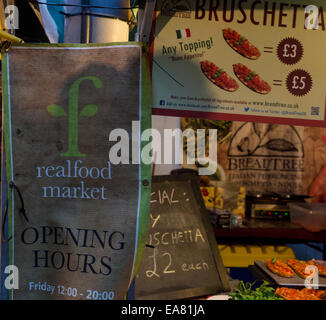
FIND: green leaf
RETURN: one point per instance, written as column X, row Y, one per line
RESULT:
column 89, row 111
column 245, row 292
column 56, row 111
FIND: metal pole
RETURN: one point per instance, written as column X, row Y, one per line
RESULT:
column 85, row 23
column 145, row 21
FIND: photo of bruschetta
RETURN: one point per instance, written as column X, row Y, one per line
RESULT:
column 240, row 44
column 218, row 76
column 251, row 79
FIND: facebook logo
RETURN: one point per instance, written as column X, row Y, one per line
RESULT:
column 162, row 102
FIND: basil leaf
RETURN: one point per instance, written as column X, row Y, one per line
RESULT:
column 241, row 39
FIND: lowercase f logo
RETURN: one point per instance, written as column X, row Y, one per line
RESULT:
column 73, row 116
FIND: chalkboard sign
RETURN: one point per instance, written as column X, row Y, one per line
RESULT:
column 183, row 260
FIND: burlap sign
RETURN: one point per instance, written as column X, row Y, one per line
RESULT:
column 85, row 219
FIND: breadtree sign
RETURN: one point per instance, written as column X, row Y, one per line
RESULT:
column 240, row 60
column 75, row 222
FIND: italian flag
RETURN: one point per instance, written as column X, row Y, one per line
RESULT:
column 184, row 33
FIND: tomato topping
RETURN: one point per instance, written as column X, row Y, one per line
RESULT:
column 251, row 78
column 218, row 76
column 241, row 44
